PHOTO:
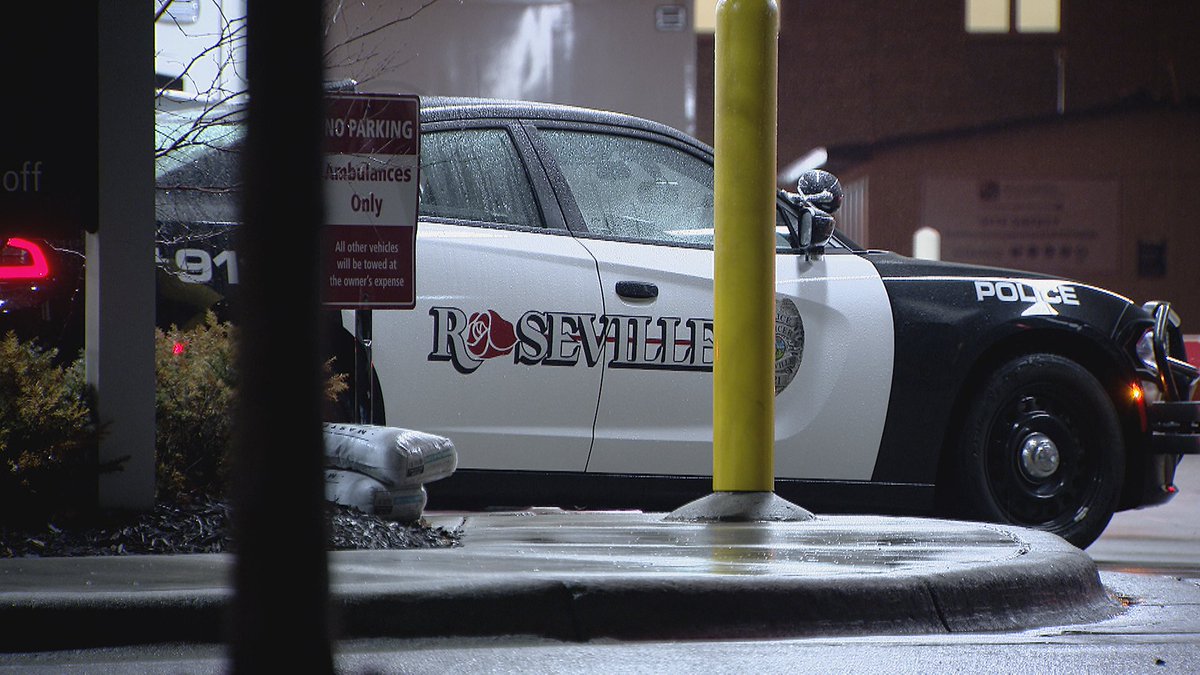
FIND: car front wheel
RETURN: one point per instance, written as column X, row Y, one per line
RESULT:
column 1041, row 447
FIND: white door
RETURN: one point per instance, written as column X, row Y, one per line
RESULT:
column 647, row 206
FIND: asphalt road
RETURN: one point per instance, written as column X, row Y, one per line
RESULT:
column 1160, row 539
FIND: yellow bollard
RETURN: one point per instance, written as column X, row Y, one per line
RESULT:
column 747, row 35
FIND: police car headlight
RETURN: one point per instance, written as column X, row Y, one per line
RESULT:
column 1145, row 350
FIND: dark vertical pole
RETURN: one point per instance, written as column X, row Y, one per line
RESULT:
column 119, row 321
column 364, row 370
column 280, row 619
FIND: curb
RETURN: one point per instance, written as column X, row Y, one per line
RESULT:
column 502, row 585
column 1057, row 586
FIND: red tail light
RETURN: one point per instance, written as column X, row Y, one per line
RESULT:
column 22, row 260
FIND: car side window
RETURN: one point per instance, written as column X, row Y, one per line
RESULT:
column 475, row 175
column 633, row 188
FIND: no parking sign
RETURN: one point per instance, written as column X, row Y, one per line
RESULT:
column 371, row 179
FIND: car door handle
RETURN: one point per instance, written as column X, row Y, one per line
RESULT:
column 639, row 290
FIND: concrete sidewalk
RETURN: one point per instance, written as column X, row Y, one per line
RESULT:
column 584, row 575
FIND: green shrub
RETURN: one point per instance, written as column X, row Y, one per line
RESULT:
column 48, row 437
column 196, row 371
column 197, row 378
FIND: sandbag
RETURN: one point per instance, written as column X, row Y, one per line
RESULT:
column 371, row 496
column 398, row 458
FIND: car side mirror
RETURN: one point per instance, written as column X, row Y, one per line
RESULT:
column 818, row 195
column 820, row 189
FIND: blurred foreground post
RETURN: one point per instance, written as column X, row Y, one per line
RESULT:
column 280, row 621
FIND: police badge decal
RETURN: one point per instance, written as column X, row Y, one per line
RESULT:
column 789, row 342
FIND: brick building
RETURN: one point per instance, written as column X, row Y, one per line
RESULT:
column 960, row 114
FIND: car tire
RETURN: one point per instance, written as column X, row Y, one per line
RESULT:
column 1041, row 447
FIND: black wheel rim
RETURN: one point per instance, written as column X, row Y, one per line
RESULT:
column 1053, row 487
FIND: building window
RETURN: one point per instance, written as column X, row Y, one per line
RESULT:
column 1013, row 16
column 705, row 13
column 852, row 217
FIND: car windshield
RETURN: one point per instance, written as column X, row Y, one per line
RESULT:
column 842, row 241
column 197, row 172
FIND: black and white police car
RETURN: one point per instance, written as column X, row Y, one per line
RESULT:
column 562, row 338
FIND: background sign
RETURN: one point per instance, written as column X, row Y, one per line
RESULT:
column 49, row 159
column 372, row 148
column 1065, row 227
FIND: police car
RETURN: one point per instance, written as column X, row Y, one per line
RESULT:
column 562, row 339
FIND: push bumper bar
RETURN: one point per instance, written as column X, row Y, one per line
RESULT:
column 1174, row 427
column 1173, row 423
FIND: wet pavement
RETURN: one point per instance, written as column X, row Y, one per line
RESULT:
column 584, row 575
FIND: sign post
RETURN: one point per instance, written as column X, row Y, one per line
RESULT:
column 371, row 178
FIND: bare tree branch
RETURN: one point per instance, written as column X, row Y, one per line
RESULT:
column 211, row 99
column 381, row 27
column 229, row 38
column 162, row 9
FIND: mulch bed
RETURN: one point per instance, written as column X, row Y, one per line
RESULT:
column 202, row 525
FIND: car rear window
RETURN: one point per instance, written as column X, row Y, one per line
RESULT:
column 475, row 175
